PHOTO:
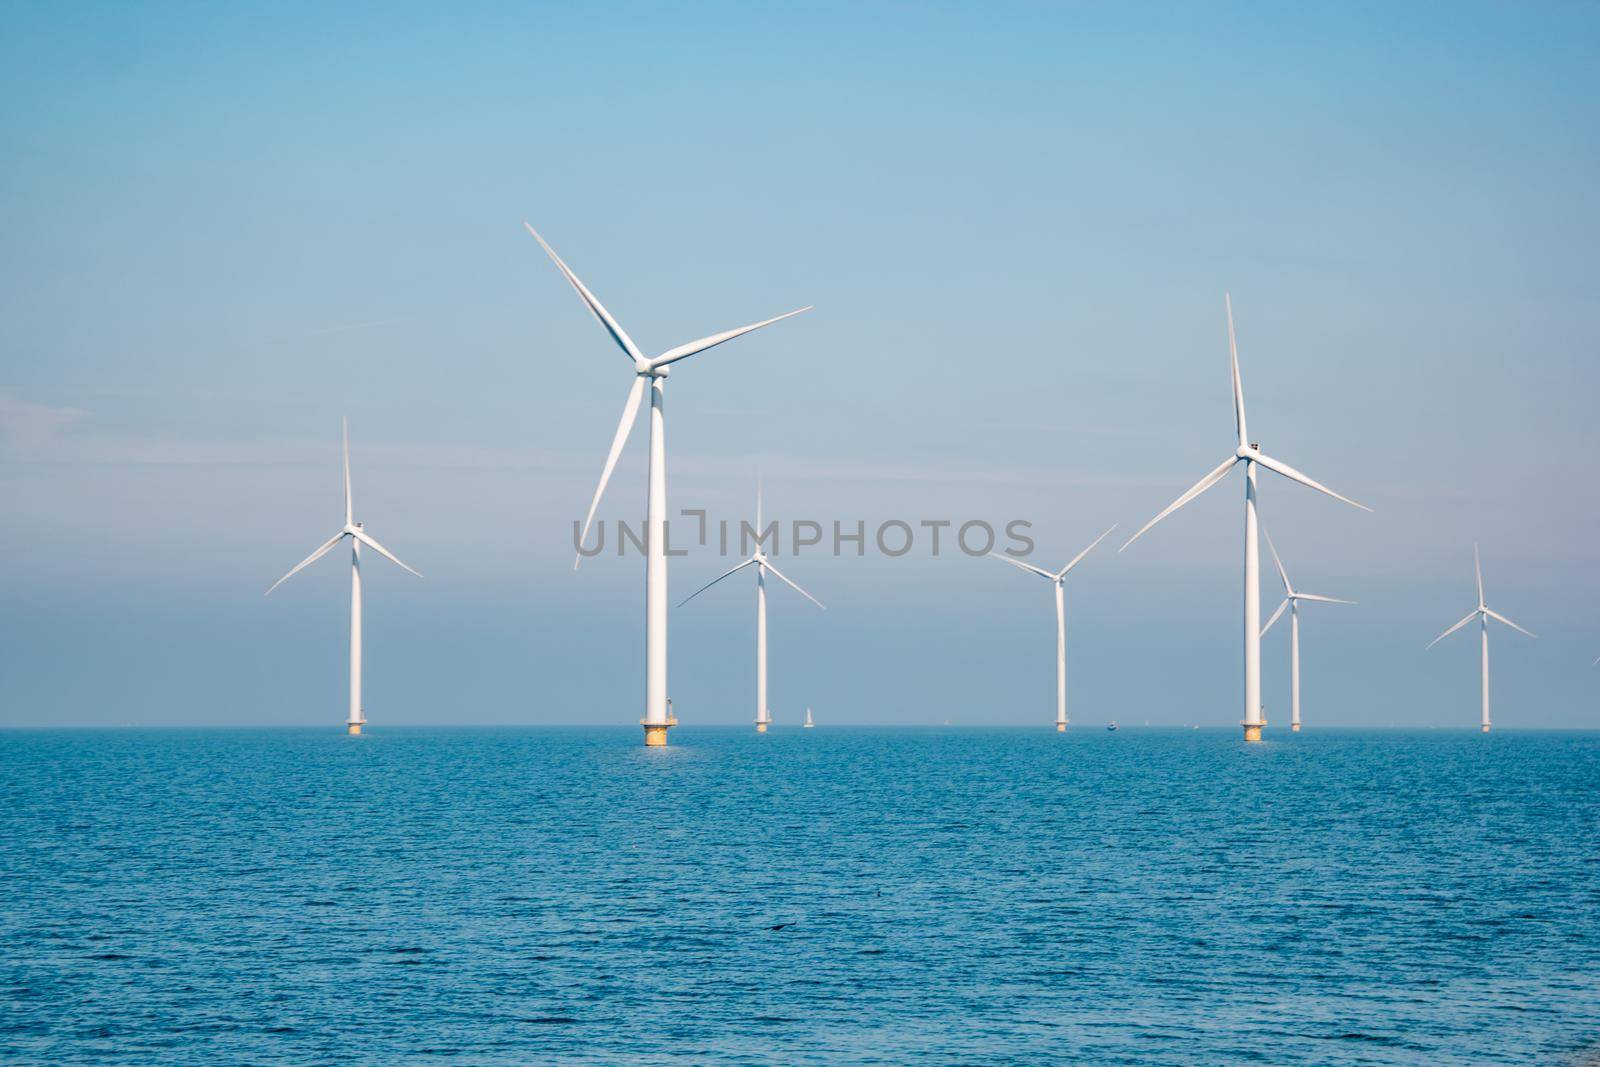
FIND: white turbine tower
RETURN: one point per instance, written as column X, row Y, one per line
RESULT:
column 653, row 371
column 762, row 564
column 1058, row 579
column 358, row 537
column 1483, row 613
column 1249, row 453
column 1291, row 600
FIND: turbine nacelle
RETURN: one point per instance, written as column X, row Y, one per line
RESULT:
column 351, row 529
column 1058, row 578
column 643, row 367
column 1291, row 596
column 1483, row 611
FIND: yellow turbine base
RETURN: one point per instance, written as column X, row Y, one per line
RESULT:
column 1294, row 728
column 1061, row 727
column 761, row 727
column 1252, row 733
column 655, row 734
column 1484, row 728
column 353, row 728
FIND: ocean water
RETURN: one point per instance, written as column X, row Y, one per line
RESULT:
column 549, row 896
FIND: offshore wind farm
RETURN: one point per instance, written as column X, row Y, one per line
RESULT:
column 1248, row 453
column 1482, row 614
column 649, row 373
column 357, row 535
column 1058, row 579
column 476, row 819
column 759, row 560
column 1291, row 601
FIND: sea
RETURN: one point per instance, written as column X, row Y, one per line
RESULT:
column 503, row 896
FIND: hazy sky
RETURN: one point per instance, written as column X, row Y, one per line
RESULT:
column 225, row 226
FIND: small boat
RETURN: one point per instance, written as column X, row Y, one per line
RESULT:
column 809, row 723
column 1112, row 725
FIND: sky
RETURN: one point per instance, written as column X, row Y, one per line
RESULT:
column 227, row 226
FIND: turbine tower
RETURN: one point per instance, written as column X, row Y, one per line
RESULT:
column 762, row 564
column 654, row 372
column 358, row 537
column 1483, row 613
column 1058, row 579
column 1249, row 453
column 1291, row 600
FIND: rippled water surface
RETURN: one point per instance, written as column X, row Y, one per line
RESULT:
column 823, row 896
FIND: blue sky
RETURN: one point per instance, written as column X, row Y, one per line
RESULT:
column 226, row 227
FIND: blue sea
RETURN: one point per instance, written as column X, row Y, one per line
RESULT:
column 853, row 896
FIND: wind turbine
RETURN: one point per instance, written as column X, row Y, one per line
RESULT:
column 654, row 371
column 1058, row 579
column 1483, row 613
column 762, row 564
column 1291, row 600
column 1249, row 453
column 358, row 537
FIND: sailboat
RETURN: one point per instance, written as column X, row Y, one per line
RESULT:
column 809, row 723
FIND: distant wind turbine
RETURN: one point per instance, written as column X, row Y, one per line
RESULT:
column 1058, row 579
column 1291, row 600
column 1249, row 453
column 654, row 371
column 762, row 564
column 358, row 537
column 1483, row 613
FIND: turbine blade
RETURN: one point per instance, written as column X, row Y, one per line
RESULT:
column 348, row 514
column 1477, row 569
column 768, row 564
column 1062, row 573
column 1470, row 616
column 1287, row 588
column 371, row 542
column 1322, row 599
column 630, row 408
column 714, row 581
column 1296, row 476
column 327, row 546
column 601, row 315
column 1025, row 566
column 1493, row 614
column 1199, row 487
column 1238, row 387
column 1275, row 615
column 672, row 355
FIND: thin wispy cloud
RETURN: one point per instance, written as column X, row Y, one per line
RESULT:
column 27, row 424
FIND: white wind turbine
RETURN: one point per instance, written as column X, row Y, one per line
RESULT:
column 1249, row 453
column 657, row 718
column 1291, row 600
column 762, row 564
column 1058, row 579
column 358, row 537
column 1483, row 613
